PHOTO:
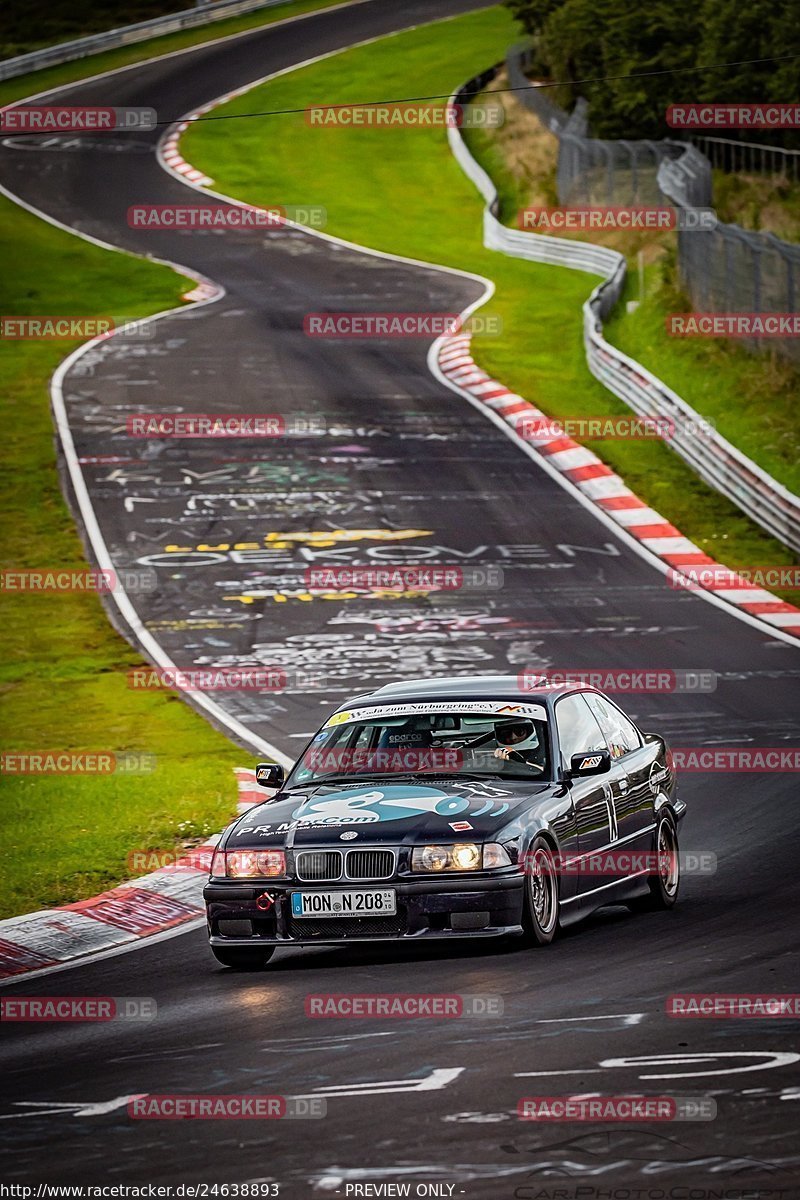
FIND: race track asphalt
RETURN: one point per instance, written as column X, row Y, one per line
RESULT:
column 401, row 453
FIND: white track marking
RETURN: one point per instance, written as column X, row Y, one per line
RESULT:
column 774, row 1058
column 438, row 1079
column 44, row 1108
column 628, row 1018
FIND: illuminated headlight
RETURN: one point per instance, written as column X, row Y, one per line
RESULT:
column 463, row 856
column 466, row 857
column 249, row 864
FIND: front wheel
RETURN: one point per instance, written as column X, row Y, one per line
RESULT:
column 665, row 881
column 541, row 894
column 242, row 958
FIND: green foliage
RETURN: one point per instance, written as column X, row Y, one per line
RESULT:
column 579, row 40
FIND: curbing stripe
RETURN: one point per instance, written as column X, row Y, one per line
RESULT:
column 609, row 493
column 165, row 899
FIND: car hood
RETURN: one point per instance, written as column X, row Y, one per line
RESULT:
column 386, row 812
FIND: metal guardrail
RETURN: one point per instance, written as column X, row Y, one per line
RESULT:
column 203, row 14
column 728, row 154
column 715, row 460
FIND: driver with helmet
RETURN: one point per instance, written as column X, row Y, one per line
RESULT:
column 518, row 741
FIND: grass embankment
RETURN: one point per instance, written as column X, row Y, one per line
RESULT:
column 764, row 203
column 63, row 674
column 399, row 189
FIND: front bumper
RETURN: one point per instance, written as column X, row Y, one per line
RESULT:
column 426, row 909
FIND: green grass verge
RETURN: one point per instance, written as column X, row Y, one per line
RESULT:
column 400, row 190
column 63, row 675
column 53, row 77
column 750, row 398
column 759, row 202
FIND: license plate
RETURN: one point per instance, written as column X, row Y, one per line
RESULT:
column 372, row 903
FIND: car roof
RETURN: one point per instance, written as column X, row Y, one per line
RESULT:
column 463, row 687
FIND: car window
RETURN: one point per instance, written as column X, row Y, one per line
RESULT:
column 621, row 734
column 578, row 731
column 419, row 741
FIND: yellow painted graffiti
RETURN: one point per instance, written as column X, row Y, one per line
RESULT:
column 306, row 597
column 320, row 537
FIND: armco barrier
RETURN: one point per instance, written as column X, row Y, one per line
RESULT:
column 767, row 502
column 204, row 14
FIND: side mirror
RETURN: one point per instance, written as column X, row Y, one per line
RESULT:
column 270, row 775
column 592, row 762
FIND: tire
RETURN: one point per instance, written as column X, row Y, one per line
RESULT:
column 242, row 958
column 665, row 884
column 540, row 916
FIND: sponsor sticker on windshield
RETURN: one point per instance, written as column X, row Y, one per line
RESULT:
column 490, row 708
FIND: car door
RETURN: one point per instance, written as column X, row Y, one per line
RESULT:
column 632, row 759
column 593, row 795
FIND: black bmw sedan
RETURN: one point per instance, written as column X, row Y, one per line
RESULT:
column 450, row 808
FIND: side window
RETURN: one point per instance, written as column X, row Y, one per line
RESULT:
column 578, row 731
column 621, row 734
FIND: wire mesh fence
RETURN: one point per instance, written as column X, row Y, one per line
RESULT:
column 734, row 157
column 724, row 269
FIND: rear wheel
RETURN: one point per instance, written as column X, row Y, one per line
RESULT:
column 664, row 882
column 243, row 958
column 541, row 893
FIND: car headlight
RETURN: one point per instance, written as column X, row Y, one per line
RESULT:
column 249, row 864
column 495, row 855
column 463, row 856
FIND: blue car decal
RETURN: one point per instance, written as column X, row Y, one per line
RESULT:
column 392, row 803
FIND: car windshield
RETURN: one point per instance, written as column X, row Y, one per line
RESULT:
column 493, row 739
